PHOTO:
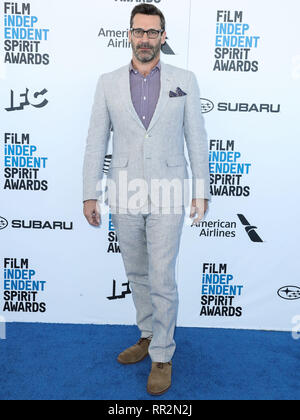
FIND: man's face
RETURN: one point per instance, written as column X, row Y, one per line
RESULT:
column 144, row 49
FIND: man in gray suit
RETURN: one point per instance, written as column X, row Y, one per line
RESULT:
column 151, row 107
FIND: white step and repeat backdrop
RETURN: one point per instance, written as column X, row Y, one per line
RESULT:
column 239, row 267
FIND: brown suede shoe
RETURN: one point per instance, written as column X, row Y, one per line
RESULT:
column 159, row 380
column 136, row 353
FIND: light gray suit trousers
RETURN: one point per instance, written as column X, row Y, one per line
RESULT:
column 149, row 245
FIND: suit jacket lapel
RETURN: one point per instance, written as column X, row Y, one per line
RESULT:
column 165, row 88
column 124, row 89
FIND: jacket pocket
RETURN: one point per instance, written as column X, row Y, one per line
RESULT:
column 119, row 162
column 177, row 160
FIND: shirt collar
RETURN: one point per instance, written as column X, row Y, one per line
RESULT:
column 132, row 69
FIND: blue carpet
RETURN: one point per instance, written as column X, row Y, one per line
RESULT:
column 78, row 362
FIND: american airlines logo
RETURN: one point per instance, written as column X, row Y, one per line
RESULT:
column 166, row 49
column 250, row 229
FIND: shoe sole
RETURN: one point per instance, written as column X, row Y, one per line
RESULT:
column 158, row 393
column 132, row 363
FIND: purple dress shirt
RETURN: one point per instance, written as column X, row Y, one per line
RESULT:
column 145, row 92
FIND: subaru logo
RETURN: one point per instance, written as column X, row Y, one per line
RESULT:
column 289, row 292
column 3, row 223
column 206, row 105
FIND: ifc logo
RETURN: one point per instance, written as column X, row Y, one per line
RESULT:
column 3, row 223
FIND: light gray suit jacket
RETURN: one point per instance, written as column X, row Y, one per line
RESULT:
column 156, row 153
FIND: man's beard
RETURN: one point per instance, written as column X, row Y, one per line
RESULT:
column 146, row 57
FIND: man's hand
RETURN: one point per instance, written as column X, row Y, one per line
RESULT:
column 92, row 212
column 199, row 206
